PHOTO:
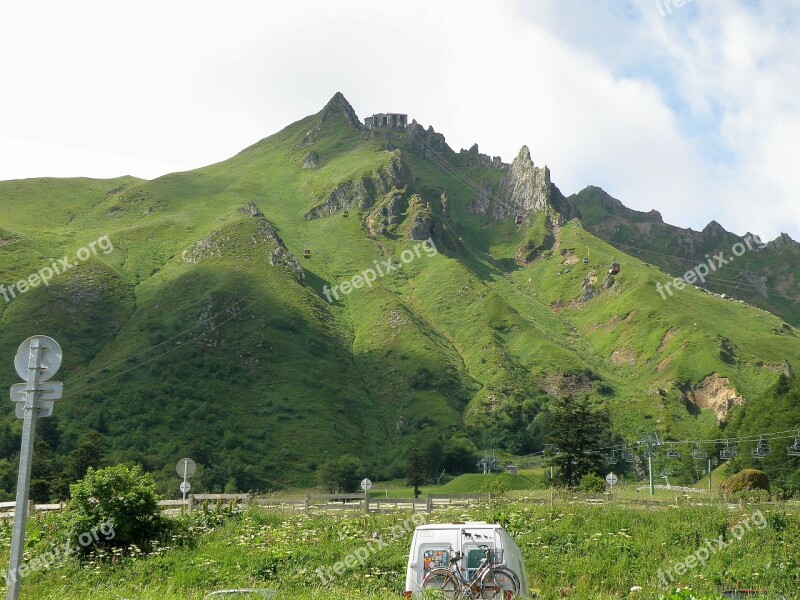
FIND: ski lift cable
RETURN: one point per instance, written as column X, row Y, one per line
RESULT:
column 776, row 435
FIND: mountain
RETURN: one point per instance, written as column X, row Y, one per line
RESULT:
column 765, row 274
column 445, row 294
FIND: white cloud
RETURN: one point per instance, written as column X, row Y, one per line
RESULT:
column 689, row 114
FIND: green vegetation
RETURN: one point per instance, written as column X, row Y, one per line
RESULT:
column 200, row 336
column 120, row 498
column 578, row 432
column 341, row 475
column 571, row 550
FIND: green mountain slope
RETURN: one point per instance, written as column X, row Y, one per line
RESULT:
column 205, row 333
column 762, row 274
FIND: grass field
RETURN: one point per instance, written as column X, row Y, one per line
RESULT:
column 571, row 550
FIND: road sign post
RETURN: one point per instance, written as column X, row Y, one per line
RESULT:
column 611, row 480
column 366, row 485
column 37, row 360
column 186, row 468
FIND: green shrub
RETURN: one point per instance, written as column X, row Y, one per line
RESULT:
column 495, row 487
column 750, row 496
column 116, row 507
column 592, row 484
column 746, row 479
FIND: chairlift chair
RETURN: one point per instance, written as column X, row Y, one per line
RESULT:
column 727, row 452
column 794, row 449
column 762, row 449
column 628, row 455
column 611, row 459
column 672, row 453
column 699, row 454
column 518, row 220
column 306, row 251
column 586, row 258
column 345, row 212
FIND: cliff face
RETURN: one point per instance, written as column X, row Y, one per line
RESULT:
column 526, row 188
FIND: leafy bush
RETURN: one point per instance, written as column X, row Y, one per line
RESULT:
column 746, row 479
column 341, row 475
column 592, row 484
column 494, row 486
column 120, row 503
column 750, row 496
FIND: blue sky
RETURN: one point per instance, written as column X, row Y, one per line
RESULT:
column 688, row 107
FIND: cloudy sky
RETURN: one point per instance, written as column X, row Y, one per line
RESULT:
column 690, row 107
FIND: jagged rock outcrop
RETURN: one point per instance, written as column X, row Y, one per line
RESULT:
column 475, row 156
column 423, row 224
column 279, row 255
column 713, row 393
column 251, row 210
column 781, row 241
column 422, row 139
column 525, row 188
column 336, row 106
column 362, row 193
column 310, row 161
column 215, row 244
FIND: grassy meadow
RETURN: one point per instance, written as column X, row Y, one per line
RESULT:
column 571, row 550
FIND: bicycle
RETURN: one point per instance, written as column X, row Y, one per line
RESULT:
column 490, row 581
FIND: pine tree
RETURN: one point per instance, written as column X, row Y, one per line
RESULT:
column 577, row 430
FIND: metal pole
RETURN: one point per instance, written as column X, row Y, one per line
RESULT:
column 185, row 468
column 24, row 479
column 650, row 469
column 709, row 474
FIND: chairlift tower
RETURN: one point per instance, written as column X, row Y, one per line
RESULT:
column 650, row 440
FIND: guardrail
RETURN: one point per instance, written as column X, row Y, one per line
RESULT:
column 311, row 502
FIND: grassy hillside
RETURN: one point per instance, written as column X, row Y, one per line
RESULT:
column 763, row 274
column 204, row 333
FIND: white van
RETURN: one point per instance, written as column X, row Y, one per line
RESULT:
column 432, row 544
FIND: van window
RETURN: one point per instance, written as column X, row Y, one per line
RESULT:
column 433, row 558
column 474, row 557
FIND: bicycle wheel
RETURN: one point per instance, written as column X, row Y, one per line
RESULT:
column 499, row 583
column 441, row 584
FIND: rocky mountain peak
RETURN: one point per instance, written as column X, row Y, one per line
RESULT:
column 338, row 105
column 525, row 188
column 784, row 239
column 523, row 156
column 714, row 228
